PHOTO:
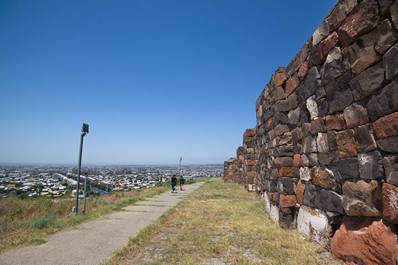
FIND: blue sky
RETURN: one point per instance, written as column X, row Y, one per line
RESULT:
column 154, row 79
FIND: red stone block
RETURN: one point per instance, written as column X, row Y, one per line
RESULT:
column 287, row 200
column 386, row 126
column 328, row 44
column 362, row 19
column 364, row 241
column 390, row 203
column 249, row 133
column 334, row 122
column 291, row 84
column 297, row 160
column 346, row 144
column 303, row 70
column 300, row 188
column 286, row 172
column 279, row 77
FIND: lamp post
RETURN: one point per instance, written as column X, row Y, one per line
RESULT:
column 180, row 167
column 84, row 132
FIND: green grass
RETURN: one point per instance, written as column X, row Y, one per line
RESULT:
column 30, row 221
column 220, row 223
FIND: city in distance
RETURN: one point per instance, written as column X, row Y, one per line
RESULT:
column 27, row 181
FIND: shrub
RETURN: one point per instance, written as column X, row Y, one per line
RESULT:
column 44, row 221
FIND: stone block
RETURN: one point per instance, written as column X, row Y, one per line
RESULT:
column 334, row 122
column 309, row 145
column 355, row 115
column 386, row 126
column 345, row 169
column 281, row 129
column 346, row 144
column 311, row 83
column 314, row 224
column 327, row 158
column 390, row 164
column 337, row 15
column 302, row 71
column 329, row 201
column 385, row 36
column 266, row 201
column 332, row 140
column 286, row 172
column 334, row 66
column 283, row 161
column 320, row 33
column 338, row 97
column 367, row 82
column 322, row 143
column 364, row 139
column 384, row 102
column 390, row 203
column 362, row 198
column 287, row 200
column 369, row 165
column 394, row 14
column 299, row 190
column 291, row 84
column 317, row 125
column 314, row 58
column 389, row 144
column 298, row 60
column 293, row 117
column 328, row 44
column 278, row 94
column 363, row 18
column 385, row 6
column 364, row 241
column 279, row 77
column 305, row 173
column 323, row 107
column 324, row 178
column 310, row 194
column 390, row 62
column 312, row 107
column 362, row 54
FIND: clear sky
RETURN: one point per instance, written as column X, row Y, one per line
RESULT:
column 154, row 79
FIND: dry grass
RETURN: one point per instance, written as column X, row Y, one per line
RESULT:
column 219, row 223
column 30, row 221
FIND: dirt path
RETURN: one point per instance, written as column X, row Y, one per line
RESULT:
column 94, row 242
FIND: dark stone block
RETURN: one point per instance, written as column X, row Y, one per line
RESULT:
column 345, row 169
column 390, row 62
column 367, row 82
column 317, row 126
column 294, row 117
column 293, row 102
column 314, row 56
column 327, row 158
column 329, row 201
column 389, row 144
column 323, row 107
column 285, row 185
column 338, row 98
column 304, row 114
column 385, row 36
column 310, row 194
column 369, row 165
column 279, row 117
column 334, row 67
column 384, row 102
column 390, row 164
column 364, row 139
column 355, row 115
column 332, row 142
column 274, row 185
column 311, row 82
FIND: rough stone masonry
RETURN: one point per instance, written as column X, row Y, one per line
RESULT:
column 324, row 152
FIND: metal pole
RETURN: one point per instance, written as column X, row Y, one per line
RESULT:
column 180, row 166
column 78, row 173
column 84, row 132
column 85, row 193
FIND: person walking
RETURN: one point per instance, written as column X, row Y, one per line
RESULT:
column 173, row 183
column 182, row 181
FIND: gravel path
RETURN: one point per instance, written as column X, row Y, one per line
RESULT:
column 94, row 241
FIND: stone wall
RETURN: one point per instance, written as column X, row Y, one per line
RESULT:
column 327, row 135
column 231, row 170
